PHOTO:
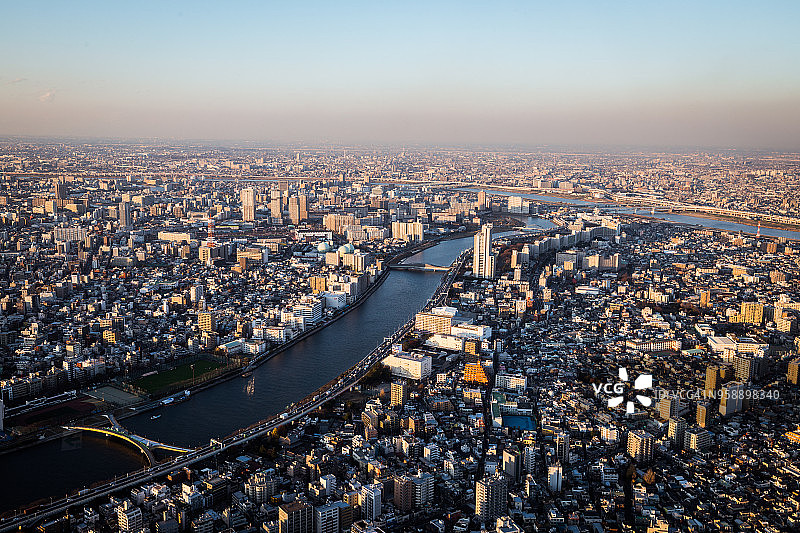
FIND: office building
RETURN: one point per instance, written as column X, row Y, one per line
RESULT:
column 248, row 197
column 295, row 517
column 483, row 261
column 124, row 214
column 491, row 495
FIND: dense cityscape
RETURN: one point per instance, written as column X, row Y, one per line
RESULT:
column 610, row 343
column 399, row 267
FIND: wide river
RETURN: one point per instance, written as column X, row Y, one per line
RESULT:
column 669, row 217
column 57, row 467
column 54, row 468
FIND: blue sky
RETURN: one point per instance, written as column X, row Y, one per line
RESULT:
column 676, row 73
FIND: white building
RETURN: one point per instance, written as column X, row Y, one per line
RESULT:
column 483, row 261
column 554, row 477
column 471, row 331
column 409, row 365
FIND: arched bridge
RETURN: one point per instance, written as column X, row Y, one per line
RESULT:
column 422, row 267
column 143, row 444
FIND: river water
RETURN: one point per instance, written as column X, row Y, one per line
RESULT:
column 55, row 468
column 669, row 217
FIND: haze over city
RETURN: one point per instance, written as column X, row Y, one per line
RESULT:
column 719, row 74
column 399, row 267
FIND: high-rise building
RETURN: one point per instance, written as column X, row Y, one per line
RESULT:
column 248, row 197
column 640, row 446
column 276, row 206
column 512, row 464
column 60, row 189
column 483, row 261
column 529, row 460
column 370, row 501
column 562, row 447
column 697, row 439
column 2, row 415
column 399, row 395
column 408, row 231
column 747, row 368
column 475, row 373
column 298, row 209
column 792, row 371
column 668, row 407
column 732, row 398
column 554, row 477
column 403, row 493
column 677, row 431
column 326, row 519
column 423, row 489
column 703, row 414
column 124, row 214
column 491, row 495
column 206, row 321
column 345, row 515
column 437, row 320
column 705, row 298
column 482, row 200
column 712, row 379
column 260, row 487
column 295, row 517
column 752, row 313
column 129, row 517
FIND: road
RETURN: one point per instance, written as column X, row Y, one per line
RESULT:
column 292, row 413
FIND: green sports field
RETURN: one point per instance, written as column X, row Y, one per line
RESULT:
column 167, row 379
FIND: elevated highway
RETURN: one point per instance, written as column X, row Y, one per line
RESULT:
column 292, row 413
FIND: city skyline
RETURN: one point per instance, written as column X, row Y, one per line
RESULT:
column 623, row 74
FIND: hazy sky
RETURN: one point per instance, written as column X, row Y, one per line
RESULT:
column 658, row 73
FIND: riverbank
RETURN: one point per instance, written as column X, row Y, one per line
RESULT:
column 736, row 220
column 53, row 432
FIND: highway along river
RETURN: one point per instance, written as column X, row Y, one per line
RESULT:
column 58, row 467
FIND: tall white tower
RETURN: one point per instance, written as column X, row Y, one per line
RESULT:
column 248, row 197
column 483, row 260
